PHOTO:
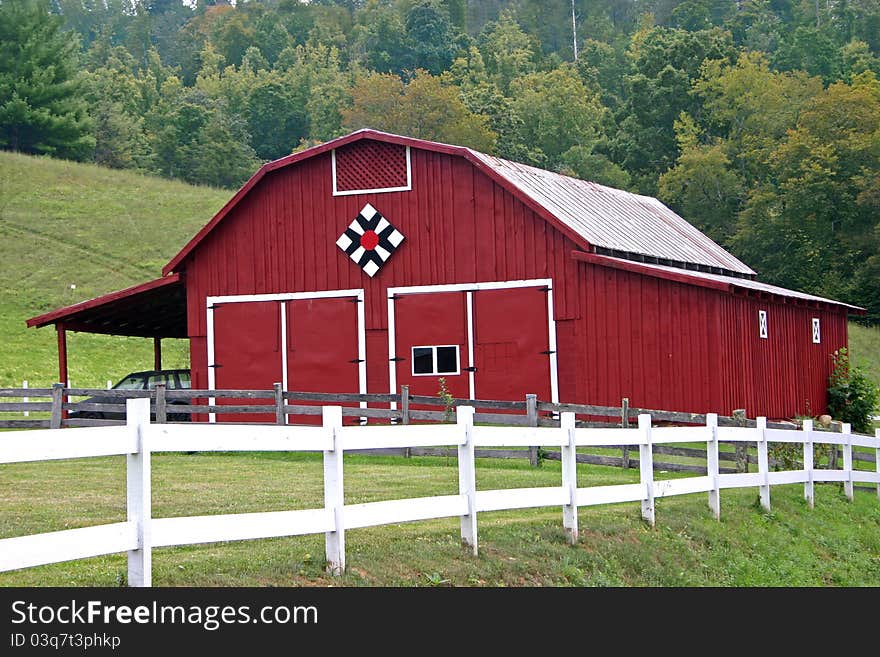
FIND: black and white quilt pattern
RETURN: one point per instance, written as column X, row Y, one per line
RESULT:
column 370, row 240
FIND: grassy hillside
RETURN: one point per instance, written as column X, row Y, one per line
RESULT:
column 864, row 347
column 70, row 232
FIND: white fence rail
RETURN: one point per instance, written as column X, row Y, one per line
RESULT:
column 139, row 439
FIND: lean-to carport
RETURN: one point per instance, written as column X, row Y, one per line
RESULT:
column 156, row 309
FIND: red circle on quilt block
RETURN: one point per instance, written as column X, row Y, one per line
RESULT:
column 369, row 240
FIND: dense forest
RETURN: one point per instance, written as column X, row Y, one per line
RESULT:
column 757, row 120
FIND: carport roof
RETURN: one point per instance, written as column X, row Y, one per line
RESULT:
column 156, row 309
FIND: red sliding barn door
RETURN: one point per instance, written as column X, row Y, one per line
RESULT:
column 322, row 349
column 511, row 344
column 431, row 342
column 247, row 353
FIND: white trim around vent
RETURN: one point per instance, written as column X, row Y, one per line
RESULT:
column 381, row 190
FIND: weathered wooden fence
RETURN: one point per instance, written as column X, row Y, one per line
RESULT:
column 140, row 438
column 288, row 406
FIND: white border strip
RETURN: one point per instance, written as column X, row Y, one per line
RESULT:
column 380, row 190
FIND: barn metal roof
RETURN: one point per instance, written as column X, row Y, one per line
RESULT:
column 595, row 216
column 708, row 279
column 616, row 220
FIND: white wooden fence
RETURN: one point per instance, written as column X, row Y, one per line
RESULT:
column 139, row 439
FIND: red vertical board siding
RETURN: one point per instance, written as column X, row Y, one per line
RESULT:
column 660, row 343
column 682, row 347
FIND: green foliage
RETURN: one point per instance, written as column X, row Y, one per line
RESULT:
column 852, row 396
column 41, row 110
column 447, row 399
column 425, row 108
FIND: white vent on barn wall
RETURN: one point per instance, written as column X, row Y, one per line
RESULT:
column 817, row 331
column 371, row 167
column 762, row 323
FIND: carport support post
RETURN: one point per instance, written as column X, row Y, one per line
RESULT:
column 62, row 362
column 334, row 500
column 467, row 476
column 138, row 495
column 157, row 353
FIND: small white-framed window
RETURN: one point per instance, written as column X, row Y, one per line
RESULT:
column 762, row 323
column 432, row 360
column 817, row 331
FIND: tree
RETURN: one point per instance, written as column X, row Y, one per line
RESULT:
column 41, row 105
column 557, row 113
column 665, row 62
column 425, row 108
column 431, row 35
column 507, row 51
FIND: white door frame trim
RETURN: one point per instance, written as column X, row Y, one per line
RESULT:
column 210, row 302
column 470, row 288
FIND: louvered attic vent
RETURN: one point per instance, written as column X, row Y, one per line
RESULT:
column 371, row 167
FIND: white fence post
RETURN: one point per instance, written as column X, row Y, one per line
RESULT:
column 334, row 500
column 569, row 478
column 848, row 460
column 877, row 460
column 809, row 488
column 25, row 399
column 139, row 493
column 712, row 465
column 646, row 468
column 763, row 462
column 467, row 476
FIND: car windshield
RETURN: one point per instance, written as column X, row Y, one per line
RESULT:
column 130, row 382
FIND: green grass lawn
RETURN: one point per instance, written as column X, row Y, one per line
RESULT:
column 835, row 544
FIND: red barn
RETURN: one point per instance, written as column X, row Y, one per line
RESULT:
column 376, row 260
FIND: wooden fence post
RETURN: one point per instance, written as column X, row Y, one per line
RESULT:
column 741, row 450
column 467, row 477
column 334, row 499
column 809, row 489
column 763, row 463
column 712, row 465
column 139, row 492
column 646, row 468
column 24, row 384
column 161, row 414
column 57, row 402
column 624, row 424
column 532, row 415
column 280, row 417
column 847, row 460
column 569, row 478
column 404, row 414
column 836, row 427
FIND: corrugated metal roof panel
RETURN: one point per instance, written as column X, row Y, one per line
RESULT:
column 615, row 219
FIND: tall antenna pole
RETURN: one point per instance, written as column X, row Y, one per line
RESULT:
column 574, row 34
